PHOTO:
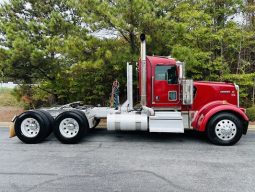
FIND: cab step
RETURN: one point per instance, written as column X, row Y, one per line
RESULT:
column 170, row 122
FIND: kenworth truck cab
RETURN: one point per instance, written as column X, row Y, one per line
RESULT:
column 169, row 103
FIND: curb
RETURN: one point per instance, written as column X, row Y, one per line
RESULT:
column 5, row 124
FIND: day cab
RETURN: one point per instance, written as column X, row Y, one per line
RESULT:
column 210, row 107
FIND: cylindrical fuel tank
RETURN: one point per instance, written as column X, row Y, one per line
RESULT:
column 127, row 122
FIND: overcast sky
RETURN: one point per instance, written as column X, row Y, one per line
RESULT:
column 1, row 1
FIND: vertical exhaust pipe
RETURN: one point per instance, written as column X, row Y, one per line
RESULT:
column 130, row 86
column 143, row 70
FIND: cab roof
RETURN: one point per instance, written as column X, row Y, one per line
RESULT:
column 154, row 60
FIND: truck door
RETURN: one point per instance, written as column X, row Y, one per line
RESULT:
column 165, row 86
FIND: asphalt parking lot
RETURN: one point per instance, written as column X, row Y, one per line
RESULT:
column 127, row 161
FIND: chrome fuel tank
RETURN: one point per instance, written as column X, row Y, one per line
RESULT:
column 127, row 122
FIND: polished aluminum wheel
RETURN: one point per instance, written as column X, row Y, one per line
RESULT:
column 30, row 127
column 225, row 129
column 69, row 127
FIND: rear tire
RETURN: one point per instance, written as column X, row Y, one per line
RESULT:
column 51, row 121
column 85, row 120
column 32, row 127
column 70, row 127
column 224, row 129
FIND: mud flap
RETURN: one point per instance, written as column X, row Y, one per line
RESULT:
column 12, row 130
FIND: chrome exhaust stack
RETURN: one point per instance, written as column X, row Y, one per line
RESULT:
column 143, row 70
column 130, row 86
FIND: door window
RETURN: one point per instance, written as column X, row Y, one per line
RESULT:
column 172, row 95
column 167, row 73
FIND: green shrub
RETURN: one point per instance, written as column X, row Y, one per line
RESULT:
column 251, row 113
column 7, row 99
column 246, row 83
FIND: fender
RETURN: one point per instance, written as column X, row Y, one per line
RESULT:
column 199, row 114
column 204, row 114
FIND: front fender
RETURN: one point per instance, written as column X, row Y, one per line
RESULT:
column 199, row 115
column 204, row 118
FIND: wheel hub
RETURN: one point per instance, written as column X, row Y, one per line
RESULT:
column 225, row 130
column 30, row 127
column 69, row 127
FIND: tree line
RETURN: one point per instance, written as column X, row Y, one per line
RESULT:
column 66, row 50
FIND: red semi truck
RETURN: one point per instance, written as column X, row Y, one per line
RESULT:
column 169, row 103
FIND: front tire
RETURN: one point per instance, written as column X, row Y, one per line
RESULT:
column 70, row 127
column 224, row 129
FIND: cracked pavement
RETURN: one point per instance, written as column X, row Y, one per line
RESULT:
column 127, row 161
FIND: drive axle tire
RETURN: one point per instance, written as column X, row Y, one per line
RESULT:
column 224, row 129
column 51, row 121
column 32, row 127
column 70, row 126
column 85, row 120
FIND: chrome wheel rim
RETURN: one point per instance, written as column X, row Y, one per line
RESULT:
column 69, row 127
column 225, row 130
column 30, row 127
